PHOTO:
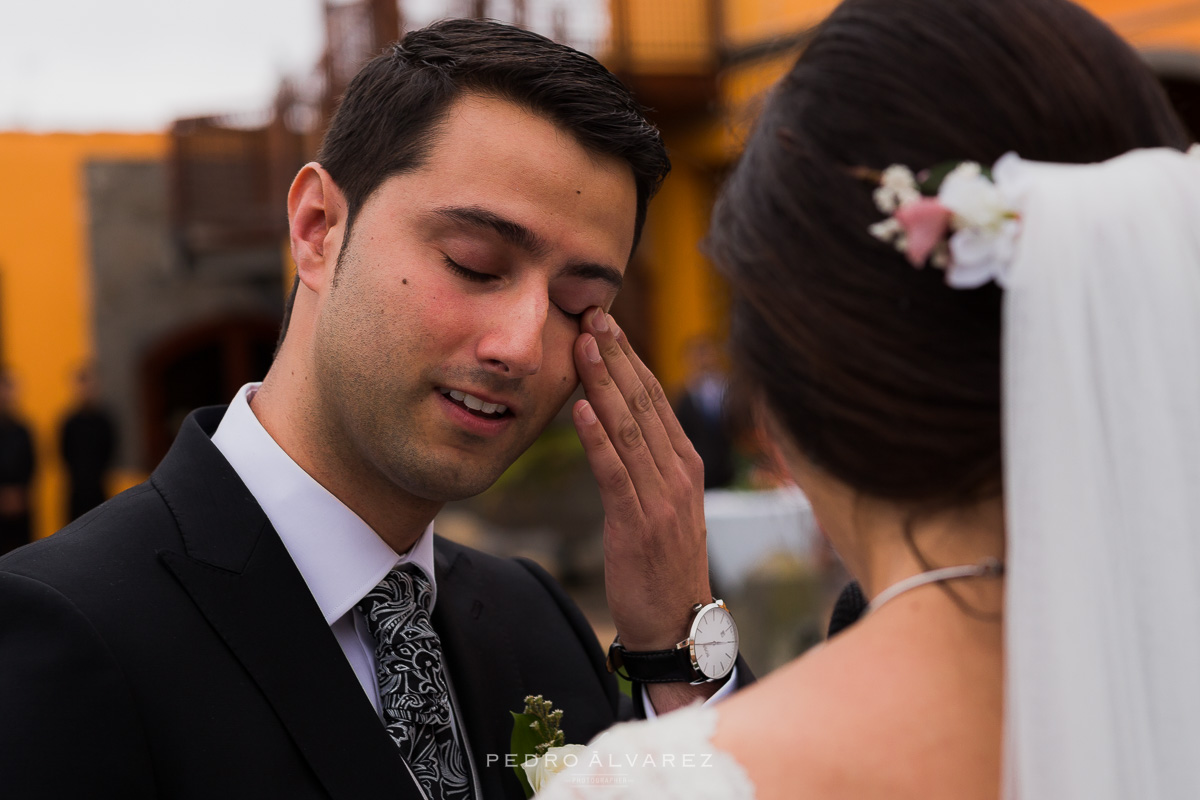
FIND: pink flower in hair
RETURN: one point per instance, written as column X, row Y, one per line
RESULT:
column 925, row 222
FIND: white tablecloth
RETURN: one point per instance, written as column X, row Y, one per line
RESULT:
column 747, row 528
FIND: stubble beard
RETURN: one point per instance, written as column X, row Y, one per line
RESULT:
column 391, row 432
column 424, row 465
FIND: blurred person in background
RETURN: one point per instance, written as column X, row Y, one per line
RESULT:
column 271, row 614
column 965, row 266
column 703, row 415
column 16, row 469
column 87, row 442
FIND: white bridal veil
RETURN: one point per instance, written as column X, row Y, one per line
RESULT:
column 1102, row 479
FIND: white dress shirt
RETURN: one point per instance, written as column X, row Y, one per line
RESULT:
column 339, row 556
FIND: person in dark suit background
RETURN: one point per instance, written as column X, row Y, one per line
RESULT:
column 16, row 470
column 702, row 413
column 87, row 441
column 216, row 631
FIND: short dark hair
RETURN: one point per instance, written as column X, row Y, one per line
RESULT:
column 389, row 116
column 881, row 375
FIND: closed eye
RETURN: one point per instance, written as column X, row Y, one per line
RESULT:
column 568, row 314
column 466, row 274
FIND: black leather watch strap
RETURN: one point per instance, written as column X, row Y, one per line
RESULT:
column 652, row 666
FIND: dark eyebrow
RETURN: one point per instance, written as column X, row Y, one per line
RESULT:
column 520, row 236
column 512, row 232
column 595, row 272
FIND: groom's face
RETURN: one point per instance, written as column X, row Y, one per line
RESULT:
column 444, row 345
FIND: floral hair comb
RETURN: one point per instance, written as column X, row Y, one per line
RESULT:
column 954, row 217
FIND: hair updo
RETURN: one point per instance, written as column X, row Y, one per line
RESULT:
column 881, row 375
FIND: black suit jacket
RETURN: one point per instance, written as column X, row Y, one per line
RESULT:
column 166, row 645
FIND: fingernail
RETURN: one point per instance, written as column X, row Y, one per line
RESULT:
column 591, row 351
column 600, row 320
column 586, row 414
column 613, row 324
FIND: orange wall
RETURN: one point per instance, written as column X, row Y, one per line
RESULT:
column 1150, row 25
column 45, row 302
column 685, row 298
column 749, row 22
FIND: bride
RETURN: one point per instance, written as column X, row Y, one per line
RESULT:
column 986, row 379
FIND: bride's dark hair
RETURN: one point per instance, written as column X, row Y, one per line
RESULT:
column 882, row 376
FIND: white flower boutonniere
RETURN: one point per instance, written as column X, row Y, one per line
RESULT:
column 539, row 770
column 539, row 746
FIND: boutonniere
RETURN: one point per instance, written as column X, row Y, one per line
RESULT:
column 538, row 745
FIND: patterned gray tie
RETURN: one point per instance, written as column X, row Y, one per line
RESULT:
column 412, row 686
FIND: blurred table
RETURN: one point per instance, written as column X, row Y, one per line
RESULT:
column 763, row 552
column 746, row 529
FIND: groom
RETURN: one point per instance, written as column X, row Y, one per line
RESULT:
column 227, row 629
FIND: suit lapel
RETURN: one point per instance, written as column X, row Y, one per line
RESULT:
column 240, row 576
column 483, row 670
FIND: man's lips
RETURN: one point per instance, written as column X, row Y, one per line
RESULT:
column 483, row 406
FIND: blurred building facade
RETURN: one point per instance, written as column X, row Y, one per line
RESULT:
column 703, row 65
column 162, row 258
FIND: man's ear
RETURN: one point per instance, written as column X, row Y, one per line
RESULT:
column 316, row 219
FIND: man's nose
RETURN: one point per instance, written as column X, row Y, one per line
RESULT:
column 512, row 344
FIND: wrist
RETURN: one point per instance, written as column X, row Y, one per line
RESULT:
column 666, row 697
column 707, row 652
column 670, row 624
column 654, row 642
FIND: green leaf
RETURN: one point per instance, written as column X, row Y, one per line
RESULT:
column 930, row 182
column 524, row 746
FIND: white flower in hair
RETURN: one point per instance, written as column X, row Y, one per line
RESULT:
column 974, row 199
column 985, row 228
column 897, row 188
column 890, row 230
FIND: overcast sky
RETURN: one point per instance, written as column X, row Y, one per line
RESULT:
column 135, row 65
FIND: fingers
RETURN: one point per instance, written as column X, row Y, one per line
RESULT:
column 607, row 401
column 626, row 395
column 666, row 415
column 617, row 493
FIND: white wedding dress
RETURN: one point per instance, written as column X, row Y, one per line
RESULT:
column 669, row 758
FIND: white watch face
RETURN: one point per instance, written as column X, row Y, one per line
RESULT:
column 715, row 639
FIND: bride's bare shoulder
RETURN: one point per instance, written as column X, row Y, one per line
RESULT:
column 868, row 715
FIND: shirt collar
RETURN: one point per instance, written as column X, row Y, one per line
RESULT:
column 339, row 556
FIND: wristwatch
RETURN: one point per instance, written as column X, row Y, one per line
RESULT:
column 708, row 654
